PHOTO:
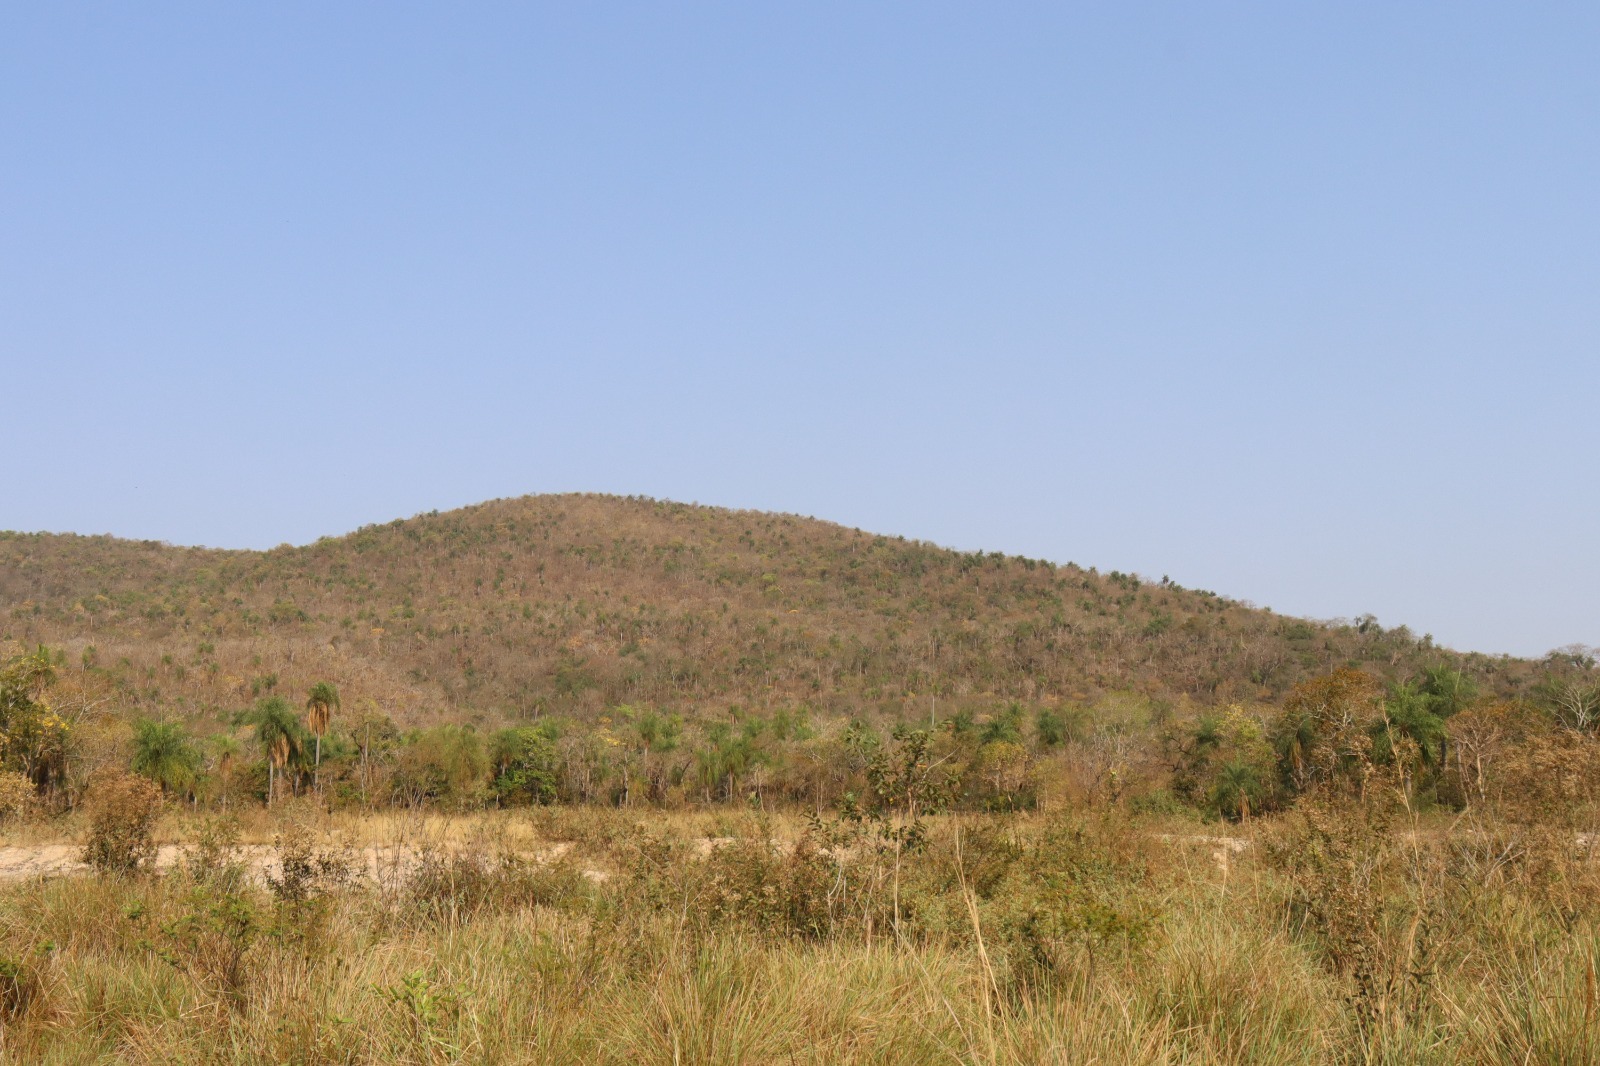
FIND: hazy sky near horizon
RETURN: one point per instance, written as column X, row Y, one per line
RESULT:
column 1300, row 304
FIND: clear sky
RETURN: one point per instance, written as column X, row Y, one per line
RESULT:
column 1299, row 303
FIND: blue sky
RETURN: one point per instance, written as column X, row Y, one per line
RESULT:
column 1295, row 304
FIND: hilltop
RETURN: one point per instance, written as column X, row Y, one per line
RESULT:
column 570, row 604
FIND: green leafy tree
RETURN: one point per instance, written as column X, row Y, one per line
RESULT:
column 1001, row 777
column 962, row 723
column 1053, row 728
column 791, row 725
column 376, row 739
column 527, row 767
column 729, row 755
column 1449, row 690
column 447, row 763
column 906, row 783
column 658, row 732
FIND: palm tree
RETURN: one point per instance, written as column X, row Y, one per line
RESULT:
column 319, row 710
column 278, row 733
column 162, row 752
column 1295, row 738
column 1409, row 713
column 1449, row 691
column 1237, row 781
column 227, row 749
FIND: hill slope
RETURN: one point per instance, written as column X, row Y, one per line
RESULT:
column 574, row 603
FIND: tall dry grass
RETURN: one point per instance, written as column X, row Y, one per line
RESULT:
column 1021, row 940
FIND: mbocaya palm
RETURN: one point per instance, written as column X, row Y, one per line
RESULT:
column 1409, row 713
column 227, row 752
column 162, row 752
column 1237, row 786
column 278, row 733
column 320, row 705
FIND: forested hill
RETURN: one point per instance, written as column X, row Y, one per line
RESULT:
column 572, row 604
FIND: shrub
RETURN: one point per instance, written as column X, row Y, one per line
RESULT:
column 1078, row 893
column 1356, row 893
column 214, row 857
column 122, row 813
column 16, row 794
column 212, row 942
column 429, row 1011
column 17, row 988
column 1551, row 779
column 448, row 886
column 305, row 871
column 753, row 882
column 1324, row 733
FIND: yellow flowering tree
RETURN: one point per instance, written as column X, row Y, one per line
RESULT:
column 32, row 736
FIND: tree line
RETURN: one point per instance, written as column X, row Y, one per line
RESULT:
column 1437, row 733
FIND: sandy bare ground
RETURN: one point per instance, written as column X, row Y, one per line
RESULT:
column 382, row 865
column 1221, row 850
column 391, row 864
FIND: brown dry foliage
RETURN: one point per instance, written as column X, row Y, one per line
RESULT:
column 569, row 604
column 122, row 810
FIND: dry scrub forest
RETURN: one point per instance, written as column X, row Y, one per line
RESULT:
column 583, row 779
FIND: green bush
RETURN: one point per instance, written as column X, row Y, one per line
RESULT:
column 213, row 941
column 445, row 764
